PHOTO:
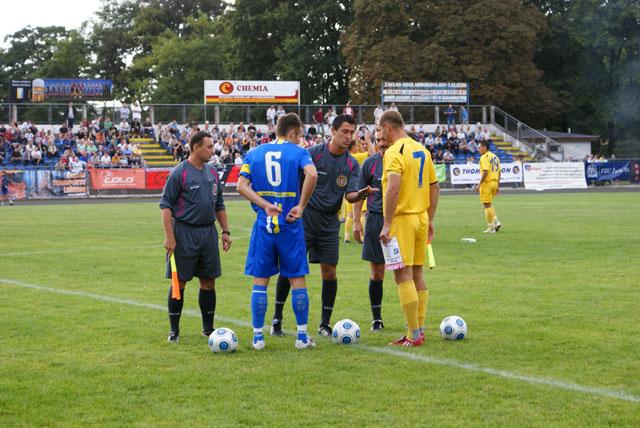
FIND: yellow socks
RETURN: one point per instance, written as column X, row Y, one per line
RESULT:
column 348, row 226
column 489, row 215
column 409, row 302
column 423, row 301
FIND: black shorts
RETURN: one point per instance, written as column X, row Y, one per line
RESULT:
column 322, row 234
column 371, row 248
column 196, row 252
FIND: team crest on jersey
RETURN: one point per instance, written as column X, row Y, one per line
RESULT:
column 341, row 181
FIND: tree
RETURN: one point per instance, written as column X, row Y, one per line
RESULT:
column 591, row 56
column 291, row 40
column 28, row 49
column 433, row 40
column 178, row 65
column 378, row 47
column 70, row 58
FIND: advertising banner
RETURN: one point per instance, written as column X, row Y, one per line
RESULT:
column 441, row 172
column 607, row 171
column 425, row 92
column 554, row 175
column 155, row 178
column 126, row 178
column 45, row 184
column 251, row 91
column 470, row 173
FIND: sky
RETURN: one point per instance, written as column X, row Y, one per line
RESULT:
column 17, row 14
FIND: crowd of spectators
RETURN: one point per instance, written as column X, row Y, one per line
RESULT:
column 97, row 143
column 103, row 143
column 232, row 142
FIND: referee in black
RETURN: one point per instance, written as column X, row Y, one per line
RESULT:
column 338, row 174
column 371, row 175
column 191, row 202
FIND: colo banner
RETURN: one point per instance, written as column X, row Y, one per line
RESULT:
column 470, row 173
column 251, row 91
column 607, row 171
column 554, row 175
column 155, row 178
column 127, row 178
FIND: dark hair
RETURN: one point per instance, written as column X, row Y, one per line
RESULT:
column 287, row 123
column 485, row 144
column 391, row 117
column 342, row 118
column 197, row 139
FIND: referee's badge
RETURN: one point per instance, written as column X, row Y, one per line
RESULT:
column 215, row 189
column 341, row 181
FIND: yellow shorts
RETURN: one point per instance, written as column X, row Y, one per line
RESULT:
column 347, row 207
column 411, row 231
column 488, row 191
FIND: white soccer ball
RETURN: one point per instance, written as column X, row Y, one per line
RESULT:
column 453, row 328
column 223, row 340
column 346, row 332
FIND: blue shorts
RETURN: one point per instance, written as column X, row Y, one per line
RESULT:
column 284, row 252
column 5, row 190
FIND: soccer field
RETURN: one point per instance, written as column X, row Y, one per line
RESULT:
column 552, row 304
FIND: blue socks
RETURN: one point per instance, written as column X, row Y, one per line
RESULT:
column 258, row 310
column 300, row 305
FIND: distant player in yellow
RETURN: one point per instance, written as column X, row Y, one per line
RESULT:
column 360, row 151
column 489, row 185
column 410, row 198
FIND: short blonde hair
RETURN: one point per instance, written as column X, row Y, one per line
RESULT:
column 391, row 117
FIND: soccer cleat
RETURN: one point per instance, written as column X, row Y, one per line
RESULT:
column 173, row 336
column 305, row 345
column 325, row 330
column 377, row 325
column 207, row 333
column 408, row 343
column 422, row 336
column 497, row 225
column 258, row 341
column 346, row 241
column 489, row 230
column 276, row 328
column 10, row 202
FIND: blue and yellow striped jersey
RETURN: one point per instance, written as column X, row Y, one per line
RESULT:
column 275, row 172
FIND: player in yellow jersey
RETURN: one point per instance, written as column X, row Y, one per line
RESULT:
column 489, row 185
column 410, row 198
column 361, row 151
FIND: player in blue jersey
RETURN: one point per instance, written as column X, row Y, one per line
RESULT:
column 270, row 180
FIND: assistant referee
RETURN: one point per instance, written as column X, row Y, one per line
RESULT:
column 191, row 202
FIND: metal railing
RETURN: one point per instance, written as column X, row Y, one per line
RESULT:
column 537, row 144
column 53, row 114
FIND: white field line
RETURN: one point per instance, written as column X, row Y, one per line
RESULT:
column 533, row 380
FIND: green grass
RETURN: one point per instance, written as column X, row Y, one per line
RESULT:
column 553, row 296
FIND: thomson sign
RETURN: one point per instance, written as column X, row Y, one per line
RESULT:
column 251, row 91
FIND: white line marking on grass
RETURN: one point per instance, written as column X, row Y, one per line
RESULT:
column 568, row 386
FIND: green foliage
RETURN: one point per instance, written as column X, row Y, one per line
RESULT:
column 176, row 62
column 552, row 296
column 591, row 58
column 28, row 50
column 291, row 40
column 489, row 43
